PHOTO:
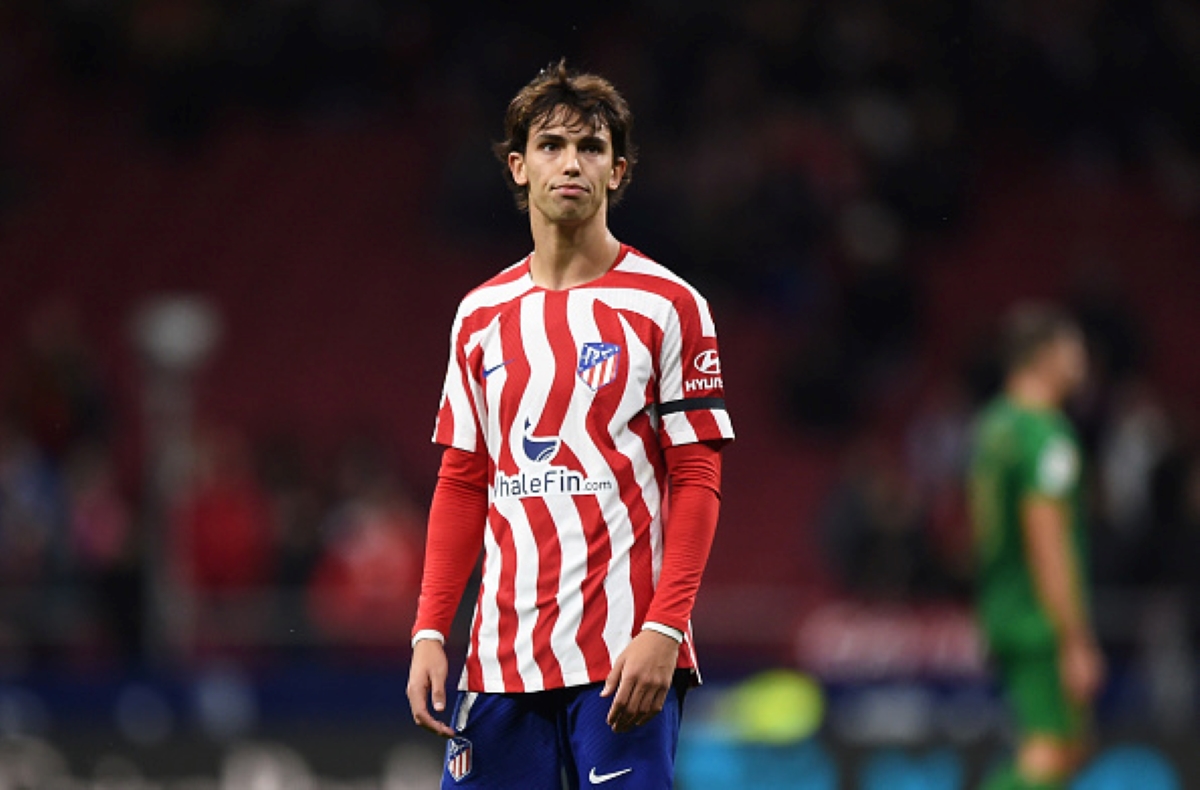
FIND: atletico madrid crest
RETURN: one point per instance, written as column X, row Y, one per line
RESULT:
column 458, row 758
column 598, row 364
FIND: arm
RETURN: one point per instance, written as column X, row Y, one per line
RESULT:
column 457, row 517
column 642, row 674
column 1058, row 583
column 695, row 502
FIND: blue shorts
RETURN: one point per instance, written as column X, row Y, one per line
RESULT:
column 531, row 741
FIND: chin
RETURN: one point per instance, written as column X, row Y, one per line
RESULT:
column 573, row 214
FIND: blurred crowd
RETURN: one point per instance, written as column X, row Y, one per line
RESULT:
column 895, row 522
column 262, row 548
column 800, row 156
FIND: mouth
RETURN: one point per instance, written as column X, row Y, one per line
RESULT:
column 572, row 189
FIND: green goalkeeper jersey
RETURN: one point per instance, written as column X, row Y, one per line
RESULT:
column 1019, row 453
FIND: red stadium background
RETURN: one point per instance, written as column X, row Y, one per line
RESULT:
column 210, row 560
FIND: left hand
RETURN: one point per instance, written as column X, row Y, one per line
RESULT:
column 641, row 678
column 427, row 679
column 1081, row 667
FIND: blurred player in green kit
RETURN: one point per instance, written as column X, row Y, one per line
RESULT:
column 1026, row 511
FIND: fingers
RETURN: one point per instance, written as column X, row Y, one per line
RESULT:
column 625, row 687
column 635, row 704
column 439, row 695
column 614, row 677
column 416, row 702
column 427, row 680
column 427, row 722
column 421, row 715
column 618, row 712
column 640, row 710
column 640, row 680
column 436, row 727
column 654, row 707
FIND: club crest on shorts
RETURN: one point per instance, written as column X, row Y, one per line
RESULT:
column 598, row 364
column 458, row 758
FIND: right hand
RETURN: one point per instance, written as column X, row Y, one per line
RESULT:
column 427, row 679
column 1081, row 667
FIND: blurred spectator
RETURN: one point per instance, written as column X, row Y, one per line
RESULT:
column 31, row 508
column 771, row 236
column 1175, row 492
column 937, row 440
column 1187, row 530
column 32, row 550
column 30, row 532
column 876, row 530
column 100, row 520
column 1134, row 443
column 926, row 180
column 105, row 548
column 1116, row 343
column 222, row 525
column 55, row 390
column 296, row 507
column 366, row 584
column 937, row 447
column 882, row 307
column 819, row 383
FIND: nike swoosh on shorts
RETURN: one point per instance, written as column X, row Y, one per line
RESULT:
column 596, row 778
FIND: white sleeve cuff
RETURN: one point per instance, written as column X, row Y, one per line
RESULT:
column 428, row 633
column 665, row 630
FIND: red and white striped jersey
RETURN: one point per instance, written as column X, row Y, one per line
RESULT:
column 574, row 394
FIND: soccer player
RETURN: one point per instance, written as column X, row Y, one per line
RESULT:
column 582, row 417
column 1026, row 509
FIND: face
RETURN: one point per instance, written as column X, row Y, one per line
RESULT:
column 569, row 168
column 1067, row 356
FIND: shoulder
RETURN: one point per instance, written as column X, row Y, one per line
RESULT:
column 1052, row 452
column 498, row 290
column 1058, row 465
column 657, row 278
column 1056, row 437
column 1042, row 428
column 688, row 308
column 994, row 422
column 1002, row 434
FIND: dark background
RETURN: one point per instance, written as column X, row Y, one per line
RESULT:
column 198, row 558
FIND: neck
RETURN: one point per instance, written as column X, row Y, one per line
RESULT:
column 1033, row 391
column 568, row 255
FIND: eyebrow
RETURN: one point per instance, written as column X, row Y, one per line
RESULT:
column 554, row 137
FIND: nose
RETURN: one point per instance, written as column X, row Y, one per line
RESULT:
column 571, row 165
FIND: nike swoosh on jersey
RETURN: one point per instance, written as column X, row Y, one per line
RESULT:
column 489, row 371
column 596, row 778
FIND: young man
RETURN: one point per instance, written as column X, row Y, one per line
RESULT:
column 582, row 417
column 1025, row 502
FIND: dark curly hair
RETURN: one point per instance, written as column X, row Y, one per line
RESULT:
column 557, row 89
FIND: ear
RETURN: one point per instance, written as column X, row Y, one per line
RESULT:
column 618, row 173
column 516, row 166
